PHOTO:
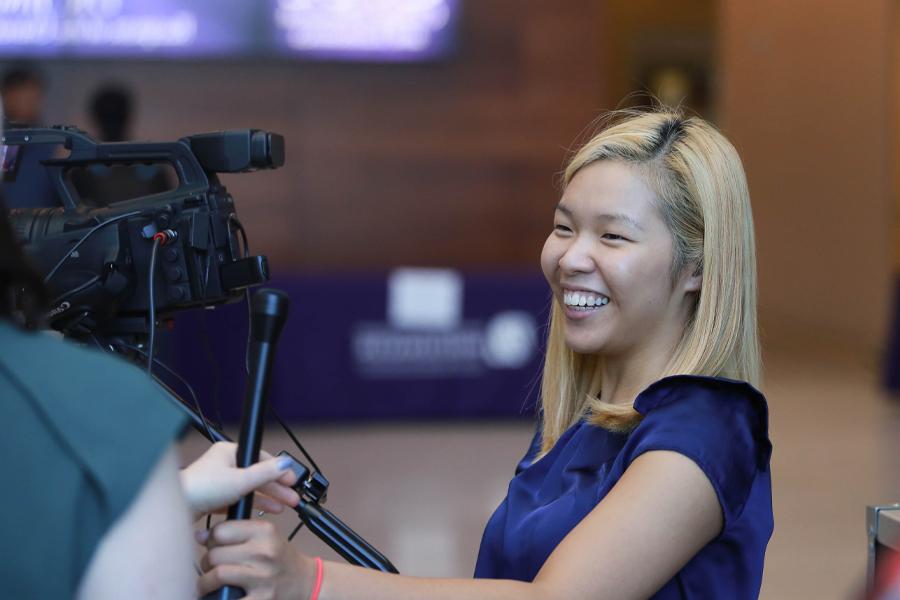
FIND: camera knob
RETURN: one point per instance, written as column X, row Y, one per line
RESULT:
column 171, row 254
column 174, row 274
column 176, row 293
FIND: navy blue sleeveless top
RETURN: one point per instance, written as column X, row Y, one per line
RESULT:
column 720, row 424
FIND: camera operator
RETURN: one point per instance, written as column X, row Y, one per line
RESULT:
column 91, row 458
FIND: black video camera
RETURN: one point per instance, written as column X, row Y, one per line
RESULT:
column 100, row 264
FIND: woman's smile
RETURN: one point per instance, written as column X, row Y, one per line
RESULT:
column 583, row 304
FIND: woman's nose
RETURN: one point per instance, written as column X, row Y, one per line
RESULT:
column 576, row 258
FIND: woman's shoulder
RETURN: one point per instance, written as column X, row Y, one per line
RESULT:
column 722, row 419
column 54, row 368
column 697, row 388
column 90, row 402
column 39, row 358
column 703, row 396
column 721, row 424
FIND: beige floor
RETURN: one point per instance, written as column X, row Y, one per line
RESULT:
column 421, row 493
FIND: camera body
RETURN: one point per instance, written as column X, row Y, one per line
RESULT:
column 96, row 261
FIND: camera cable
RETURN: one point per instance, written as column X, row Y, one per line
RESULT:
column 233, row 220
column 84, row 238
column 59, row 299
column 151, row 337
column 120, row 345
column 204, row 336
column 294, row 439
column 294, row 532
column 173, row 373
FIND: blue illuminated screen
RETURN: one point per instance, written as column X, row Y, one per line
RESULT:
column 352, row 30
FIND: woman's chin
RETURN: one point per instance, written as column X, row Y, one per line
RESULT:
column 581, row 345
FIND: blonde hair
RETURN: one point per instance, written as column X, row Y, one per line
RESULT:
column 702, row 194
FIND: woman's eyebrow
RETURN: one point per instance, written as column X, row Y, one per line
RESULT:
column 563, row 209
column 606, row 217
column 620, row 217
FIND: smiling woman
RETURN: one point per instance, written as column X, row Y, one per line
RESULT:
column 651, row 347
column 648, row 475
column 609, row 262
column 652, row 191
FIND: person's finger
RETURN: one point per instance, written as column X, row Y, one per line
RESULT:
column 266, row 504
column 282, row 493
column 237, row 532
column 237, row 575
column 239, row 554
column 261, row 473
column 201, row 536
column 289, row 478
column 225, row 449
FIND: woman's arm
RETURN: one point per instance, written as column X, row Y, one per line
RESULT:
column 147, row 553
column 655, row 519
column 660, row 514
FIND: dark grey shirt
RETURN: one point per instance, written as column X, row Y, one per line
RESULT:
column 79, row 433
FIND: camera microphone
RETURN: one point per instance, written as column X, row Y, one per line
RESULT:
column 268, row 313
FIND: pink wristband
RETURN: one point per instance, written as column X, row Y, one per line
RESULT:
column 318, row 585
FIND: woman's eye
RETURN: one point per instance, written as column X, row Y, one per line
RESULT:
column 561, row 228
column 612, row 237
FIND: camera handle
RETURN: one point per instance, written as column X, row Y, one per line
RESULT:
column 83, row 151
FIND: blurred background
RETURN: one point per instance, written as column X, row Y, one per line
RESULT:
column 424, row 142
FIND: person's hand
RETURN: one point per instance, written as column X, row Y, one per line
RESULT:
column 213, row 481
column 252, row 555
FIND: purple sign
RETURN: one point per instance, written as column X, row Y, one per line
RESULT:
column 379, row 30
column 410, row 344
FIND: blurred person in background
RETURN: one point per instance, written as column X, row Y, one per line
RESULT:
column 22, row 90
column 25, row 182
column 111, row 108
column 91, row 460
column 648, row 475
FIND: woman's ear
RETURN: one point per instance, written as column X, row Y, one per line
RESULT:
column 693, row 282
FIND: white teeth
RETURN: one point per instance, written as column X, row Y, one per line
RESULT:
column 585, row 299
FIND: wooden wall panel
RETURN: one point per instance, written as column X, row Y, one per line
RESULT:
column 806, row 99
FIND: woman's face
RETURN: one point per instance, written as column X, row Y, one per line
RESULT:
column 609, row 263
